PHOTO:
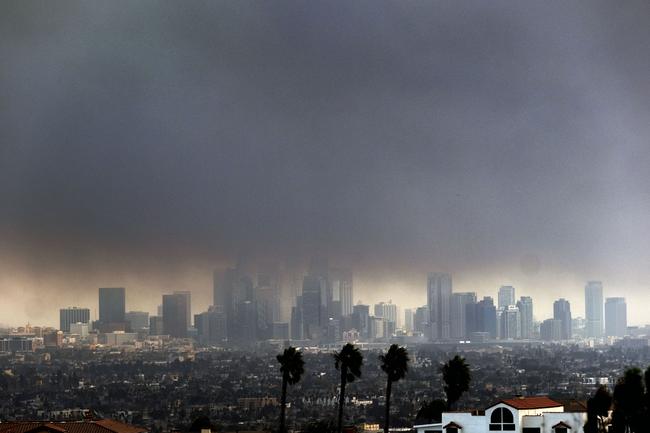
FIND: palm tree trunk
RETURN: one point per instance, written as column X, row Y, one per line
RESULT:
column 342, row 398
column 387, row 415
column 283, row 405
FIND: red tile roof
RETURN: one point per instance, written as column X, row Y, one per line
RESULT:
column 95, row 426
column 523, row 403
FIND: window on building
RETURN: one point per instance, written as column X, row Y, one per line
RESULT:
column 452, row 430
column 502, row 420
column 561, row 430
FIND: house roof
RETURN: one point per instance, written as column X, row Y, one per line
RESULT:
column 561, row 424
column 94, row 426
column 523, row 403
column 453, row 425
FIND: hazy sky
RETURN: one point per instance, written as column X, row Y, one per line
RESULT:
column 144, row 143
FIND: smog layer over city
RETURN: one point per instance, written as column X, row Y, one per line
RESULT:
column 284, row 216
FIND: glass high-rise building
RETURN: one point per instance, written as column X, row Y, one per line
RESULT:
column 68, row 316
column 313, row 289
column 175, row 315
column 615, row 317
column 506, row 296
column 562, row 312
column 112, row 304
column 438, row 300
column 458, row 313
column 594, row 309
column 138, row 320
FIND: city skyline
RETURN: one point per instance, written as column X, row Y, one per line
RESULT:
column 522, row 303
column 503, row 143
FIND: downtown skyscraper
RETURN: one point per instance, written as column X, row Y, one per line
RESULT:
column 112, row 308
column 525, row 305
column 562, row 312
column 439, row 289
column 68, row 316
column 175, row 311
column 458, row 313
column 615, row 317
column 506, row 296
column 594, row 309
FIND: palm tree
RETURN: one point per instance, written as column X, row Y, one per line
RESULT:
column 292, row 368
column 348, row 361
column 629, row 405
column 598, row 410
column 395, row 364
column 456, row 375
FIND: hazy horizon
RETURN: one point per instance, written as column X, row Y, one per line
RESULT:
column 144, row 145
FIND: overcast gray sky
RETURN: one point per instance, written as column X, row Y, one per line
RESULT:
column 144, row 143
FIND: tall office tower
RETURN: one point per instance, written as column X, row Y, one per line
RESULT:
column 297, row 327
column 341, row 283
column 421, row 320
column 510, row 323
column 156, row 325
column 112, row 304
column 268, row 310
column 594, row 309
column 138, row 320
column 506, row 296
column 188, row 305
column 458, row 313
column 360, row 319
column 551, row 330
column 68, row 316
column 247, row 311
column 312, row 308
column 174, row 315
column 290, row 283
column 562, row 312
column 233, row 288
column 211, row 326
column 525, row 305
column 615, row 317
column 438, row 301
column 220, row 288
column 409, row 316
column 387, row 311
column 481, row 317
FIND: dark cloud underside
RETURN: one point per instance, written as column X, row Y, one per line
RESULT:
column 397, row 136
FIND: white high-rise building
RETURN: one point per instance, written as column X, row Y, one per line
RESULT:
column 615, row 317
column 510, row 323
column 506, row 296
column 525, row 305
column 409, row 320
column 439, row 300
column 594, row 309
column 386, row 311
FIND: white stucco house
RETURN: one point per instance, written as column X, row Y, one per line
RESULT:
column 520, row 414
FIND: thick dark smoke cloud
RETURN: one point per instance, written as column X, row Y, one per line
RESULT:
column 143, row 143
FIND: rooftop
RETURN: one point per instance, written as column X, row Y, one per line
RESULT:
column 94, row 426
column 523, row 403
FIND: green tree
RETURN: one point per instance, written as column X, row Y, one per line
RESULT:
column 395, row 364
column 292, row 369
column 628, row 415
column 456, row 375
column 598, row 410
column 431, row 411
column 348, row 361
